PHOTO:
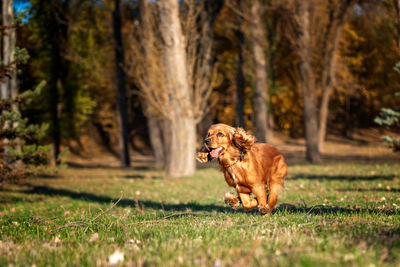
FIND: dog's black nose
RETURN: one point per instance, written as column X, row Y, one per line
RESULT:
column 207, row 141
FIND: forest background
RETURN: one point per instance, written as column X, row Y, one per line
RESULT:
column 152, row 76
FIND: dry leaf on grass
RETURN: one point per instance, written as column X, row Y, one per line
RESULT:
column 116, row 257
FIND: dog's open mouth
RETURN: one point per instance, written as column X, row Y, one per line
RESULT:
column 215, row 152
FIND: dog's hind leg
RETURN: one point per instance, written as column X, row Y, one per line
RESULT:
column 277, row 180
column 274, row 190
column 261, row 195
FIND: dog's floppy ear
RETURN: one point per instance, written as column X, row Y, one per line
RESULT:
column 242, row 139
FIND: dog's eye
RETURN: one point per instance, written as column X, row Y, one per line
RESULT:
column 220, row 134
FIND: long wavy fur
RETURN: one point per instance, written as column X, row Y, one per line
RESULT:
column 242, row 139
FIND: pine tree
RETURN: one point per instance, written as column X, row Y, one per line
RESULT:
column 20, row 152
column 19, row 149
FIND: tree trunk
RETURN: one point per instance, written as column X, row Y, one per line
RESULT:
column 260, row 98
column 153, row 123
column 331, row 40
column 398, row 24
column 156, row 141
column 327, row 80
column 59, row 71
column 8, row 87
column 121, row 97
column 181, row 160
column 240, row 80
column 396, row 5
column 307, row 80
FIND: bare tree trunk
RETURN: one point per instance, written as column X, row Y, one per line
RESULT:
column 8, row 87
column 155, row 134
column 327, row 83
column 240, row 80
column 182, row 124
column 331, row 42
column 153, row 123
column 59, row 69
column 199, row 22
column 262, row 132
column 307, row 80
column 396, row 4
column 121, row 97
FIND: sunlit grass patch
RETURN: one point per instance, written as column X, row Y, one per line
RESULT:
column 328, row 215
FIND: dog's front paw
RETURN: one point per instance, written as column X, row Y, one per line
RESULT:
column 232, row 201
column 202, row 157
column 264, row 210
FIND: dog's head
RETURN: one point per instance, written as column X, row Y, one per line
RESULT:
column 221, row 137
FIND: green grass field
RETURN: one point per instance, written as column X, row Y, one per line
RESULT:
column 329, row 215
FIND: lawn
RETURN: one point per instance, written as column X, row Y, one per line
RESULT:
column 333, row 214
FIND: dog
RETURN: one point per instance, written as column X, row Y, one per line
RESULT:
column 248, row 166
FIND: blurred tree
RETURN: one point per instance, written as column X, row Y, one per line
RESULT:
column 57, row 47
column 302, row 39
column 393, row 7
column 337, row 12
column 92, row 84
column 50, row 23
column 240, row 78
column 261, row 96
column 152, row 71
column 20, row 151
column 8, row 87
column 315, row 35
column 198, row 20
column 182, row 121
column 154, row 120
column 120, row 74
column 369, row 51
column 19, row 148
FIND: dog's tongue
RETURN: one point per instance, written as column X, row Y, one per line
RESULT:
column 215, row 152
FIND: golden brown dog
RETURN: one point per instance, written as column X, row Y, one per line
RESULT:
column 247, row 166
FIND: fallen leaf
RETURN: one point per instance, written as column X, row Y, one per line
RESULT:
column 116, row 257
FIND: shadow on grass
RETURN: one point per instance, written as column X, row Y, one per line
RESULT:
column 144, row 166
column 326, row 209
column 298, row 158
column 341, row 177
column 48, row 191
column 134, row 176
column 387, row 190
column 317, row 209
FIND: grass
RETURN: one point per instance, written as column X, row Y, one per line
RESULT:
column 329, row 215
